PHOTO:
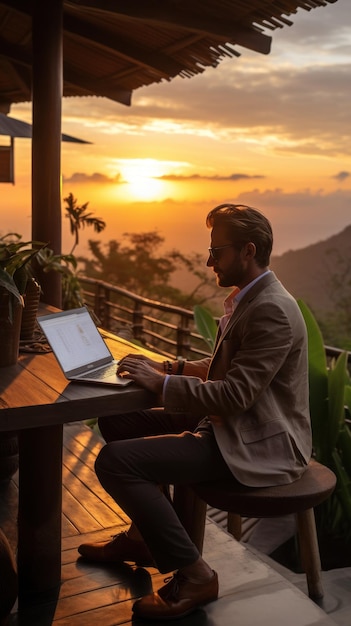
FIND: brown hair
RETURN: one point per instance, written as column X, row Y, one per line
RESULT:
column 244, row 224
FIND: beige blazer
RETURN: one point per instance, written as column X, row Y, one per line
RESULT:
column 256, row 394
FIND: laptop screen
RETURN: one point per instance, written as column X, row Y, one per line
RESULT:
column 75, row 340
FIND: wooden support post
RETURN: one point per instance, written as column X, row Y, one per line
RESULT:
column 39, row 530
column 46, row 141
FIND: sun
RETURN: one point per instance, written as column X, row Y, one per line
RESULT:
column 145, row 187
column 147, row 179
column 143, row 179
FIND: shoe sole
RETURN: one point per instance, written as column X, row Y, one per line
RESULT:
column 158, row 618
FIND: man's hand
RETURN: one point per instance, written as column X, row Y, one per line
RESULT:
column 144, row 371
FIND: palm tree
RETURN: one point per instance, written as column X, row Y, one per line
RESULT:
column 79, row 218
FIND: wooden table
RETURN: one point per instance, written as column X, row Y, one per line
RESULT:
column 36, row 400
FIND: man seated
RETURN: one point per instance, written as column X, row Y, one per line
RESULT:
column 241, row 414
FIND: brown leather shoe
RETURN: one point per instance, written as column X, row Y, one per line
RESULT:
column 176, row 599
column 120, row 548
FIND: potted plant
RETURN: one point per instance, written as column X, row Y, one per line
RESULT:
column 11, row 304
column 15, row 276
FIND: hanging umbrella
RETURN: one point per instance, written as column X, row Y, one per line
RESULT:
column 11, row 127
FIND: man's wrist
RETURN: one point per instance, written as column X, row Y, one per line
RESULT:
column 174, row 367
column 167, row 367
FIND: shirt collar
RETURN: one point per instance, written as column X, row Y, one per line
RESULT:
column 237, row 294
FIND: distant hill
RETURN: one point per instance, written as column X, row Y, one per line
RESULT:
column 307, row 272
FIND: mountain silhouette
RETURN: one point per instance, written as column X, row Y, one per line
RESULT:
column 309, row 273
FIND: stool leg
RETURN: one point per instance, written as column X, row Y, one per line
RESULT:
column 234, row 525
column 191, row 511
column 309, row 552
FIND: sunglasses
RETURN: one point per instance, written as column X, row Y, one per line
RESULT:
column 213, row 252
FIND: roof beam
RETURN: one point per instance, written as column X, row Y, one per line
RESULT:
column 84, row 83
column 15, row 53
column 168, row 15
column 156, row 61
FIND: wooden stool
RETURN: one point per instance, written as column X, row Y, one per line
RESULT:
column 299, row 497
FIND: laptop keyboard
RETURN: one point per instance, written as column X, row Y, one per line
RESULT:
column 101, row 374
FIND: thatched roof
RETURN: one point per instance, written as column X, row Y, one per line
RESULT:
column 50, row 48
column 112, row 47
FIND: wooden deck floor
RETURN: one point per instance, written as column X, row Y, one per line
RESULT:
column 103, row 594
column 89, row 594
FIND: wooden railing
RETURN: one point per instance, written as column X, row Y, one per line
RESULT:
column 163, row 328
column 335, row 352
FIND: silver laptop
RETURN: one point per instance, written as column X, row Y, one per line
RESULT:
column 79, row 348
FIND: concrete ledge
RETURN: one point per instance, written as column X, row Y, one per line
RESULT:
column 251, row 591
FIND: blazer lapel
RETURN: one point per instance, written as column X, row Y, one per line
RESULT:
column 240, row 309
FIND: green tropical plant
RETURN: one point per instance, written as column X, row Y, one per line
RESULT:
column 67, row 266
column 330, row 406
column 8, row 286
column 15, row 266
column 205, row 324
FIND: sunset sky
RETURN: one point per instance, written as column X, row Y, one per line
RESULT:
column 270, row 131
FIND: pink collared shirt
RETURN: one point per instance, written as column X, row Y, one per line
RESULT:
column 229, row 305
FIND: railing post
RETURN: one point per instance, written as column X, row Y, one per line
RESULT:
column 165, row 328
column 183, row 337
column 107, row 308
column 99, row 303
column 138, row 318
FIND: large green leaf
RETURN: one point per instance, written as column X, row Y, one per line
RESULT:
column 318, row 382
column 205, row 324
column 336, row 397
column 9, row 288
column 344, row 446
column 8, row 284
column 343, row 486
column 316, row 349
column 347, row 397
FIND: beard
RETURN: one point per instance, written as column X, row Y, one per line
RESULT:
column 233, row 277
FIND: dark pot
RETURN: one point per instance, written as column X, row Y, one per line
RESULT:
column 9, row 331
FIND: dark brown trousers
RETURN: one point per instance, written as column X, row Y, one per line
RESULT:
column 145, row 450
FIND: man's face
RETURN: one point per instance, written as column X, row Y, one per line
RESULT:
column 228, row 262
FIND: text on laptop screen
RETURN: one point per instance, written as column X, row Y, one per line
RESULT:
column 75, row 340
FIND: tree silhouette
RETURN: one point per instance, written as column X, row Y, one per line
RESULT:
column 79, row 218
column 138, row 264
